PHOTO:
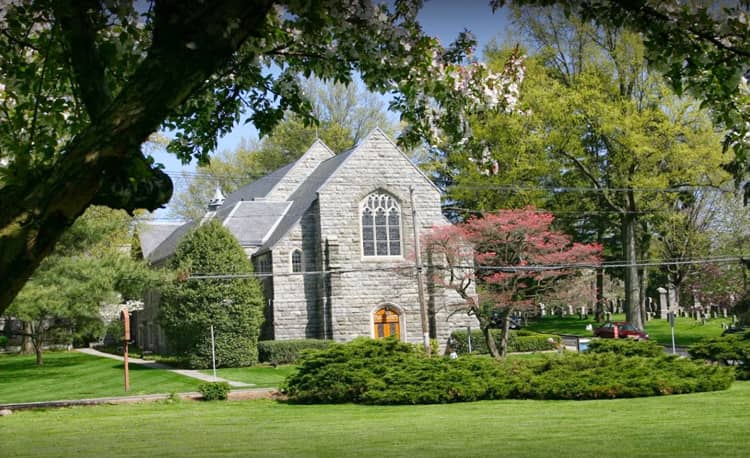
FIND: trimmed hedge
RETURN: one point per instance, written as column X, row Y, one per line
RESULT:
column 728, row 350
column 288, row 351
column 390, row 372
column 518, row 341
column 626, row 347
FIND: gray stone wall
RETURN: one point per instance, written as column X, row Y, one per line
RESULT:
column 304, row 166
column 297, row 300
column 365, row 283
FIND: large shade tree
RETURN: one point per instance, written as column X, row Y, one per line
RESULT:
column 605, row 155
column 85, row 82
column 511, row 257
column 703, row 49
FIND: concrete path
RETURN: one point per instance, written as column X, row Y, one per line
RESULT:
column 153, row 364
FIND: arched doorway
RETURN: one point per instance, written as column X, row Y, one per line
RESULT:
column 386, row 322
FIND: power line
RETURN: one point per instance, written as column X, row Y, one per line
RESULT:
column 409, row 269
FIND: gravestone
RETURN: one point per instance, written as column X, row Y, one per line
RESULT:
column 663, row 303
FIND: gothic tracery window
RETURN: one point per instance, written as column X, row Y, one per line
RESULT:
column 381, row 225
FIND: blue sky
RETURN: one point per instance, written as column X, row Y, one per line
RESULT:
column 441, row 18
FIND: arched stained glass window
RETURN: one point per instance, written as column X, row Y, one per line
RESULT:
column 381, row 225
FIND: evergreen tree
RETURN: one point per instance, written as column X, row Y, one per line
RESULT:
column 233, row 306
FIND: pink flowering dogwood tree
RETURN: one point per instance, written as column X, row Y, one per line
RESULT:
column 510, row 258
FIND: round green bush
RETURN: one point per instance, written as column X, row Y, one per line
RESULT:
column 214, row 391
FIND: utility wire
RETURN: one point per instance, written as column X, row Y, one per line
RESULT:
column 503, row 268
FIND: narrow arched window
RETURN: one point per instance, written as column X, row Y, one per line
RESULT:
column 381, row 225
column 296, row 260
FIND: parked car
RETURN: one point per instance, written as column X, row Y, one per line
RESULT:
column 624, row 330
column 497, row 321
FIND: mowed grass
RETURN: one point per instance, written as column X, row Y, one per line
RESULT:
column 259, row 376
column 705, row 424
column 71, row 375
column 687, row 330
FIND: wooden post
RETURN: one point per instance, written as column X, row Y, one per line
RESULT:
column 126, row 338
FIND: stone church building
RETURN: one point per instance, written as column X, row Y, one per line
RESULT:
column 335, row 233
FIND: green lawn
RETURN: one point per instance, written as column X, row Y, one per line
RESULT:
column 687, row 330
column 71, row 375
column 706, row 424
column 260, row 376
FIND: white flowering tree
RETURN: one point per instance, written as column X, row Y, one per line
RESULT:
column 84, row 83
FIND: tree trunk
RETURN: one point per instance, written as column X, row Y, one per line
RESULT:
column 632, row 285
column 484, row 325
column 599, row 305
column 644, row 296
column 38, row 351
column 506, row 331
column 37, row 212
column 27, row 345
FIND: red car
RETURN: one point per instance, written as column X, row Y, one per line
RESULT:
column 623, row 329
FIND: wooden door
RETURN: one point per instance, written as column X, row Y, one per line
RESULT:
column 387, row 323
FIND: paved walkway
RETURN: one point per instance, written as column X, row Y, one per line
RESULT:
column 153, row 364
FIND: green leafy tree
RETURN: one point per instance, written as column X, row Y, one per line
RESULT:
column 234, row 306
column 702, row 48
column 615, row 137
column 89, row 268
column 85, row 83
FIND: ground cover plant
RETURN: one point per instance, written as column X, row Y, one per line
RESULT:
column 703, row 424
column 728, row 350
column 626, row 347
column 390, row 372
column 687, row 330
column 71, row 375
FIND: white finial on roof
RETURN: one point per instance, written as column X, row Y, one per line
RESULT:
column 216, row 201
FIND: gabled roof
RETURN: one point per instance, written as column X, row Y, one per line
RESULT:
column 304, row 196
column 258, row 188
column 261, row 213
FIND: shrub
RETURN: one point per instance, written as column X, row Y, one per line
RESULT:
column 214, row 391
column 3, row 341
column 390, row 372
column 728, row 350
column 518, row 341
column 288, row 351
column 626, row 347
column 233, row 306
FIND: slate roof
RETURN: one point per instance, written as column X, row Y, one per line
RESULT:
column 152, row 234
column 251, row 222
column 257, row 222
column 258, row 188
column 304, row 196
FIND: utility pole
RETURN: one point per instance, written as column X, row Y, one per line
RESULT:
column 420, row 282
